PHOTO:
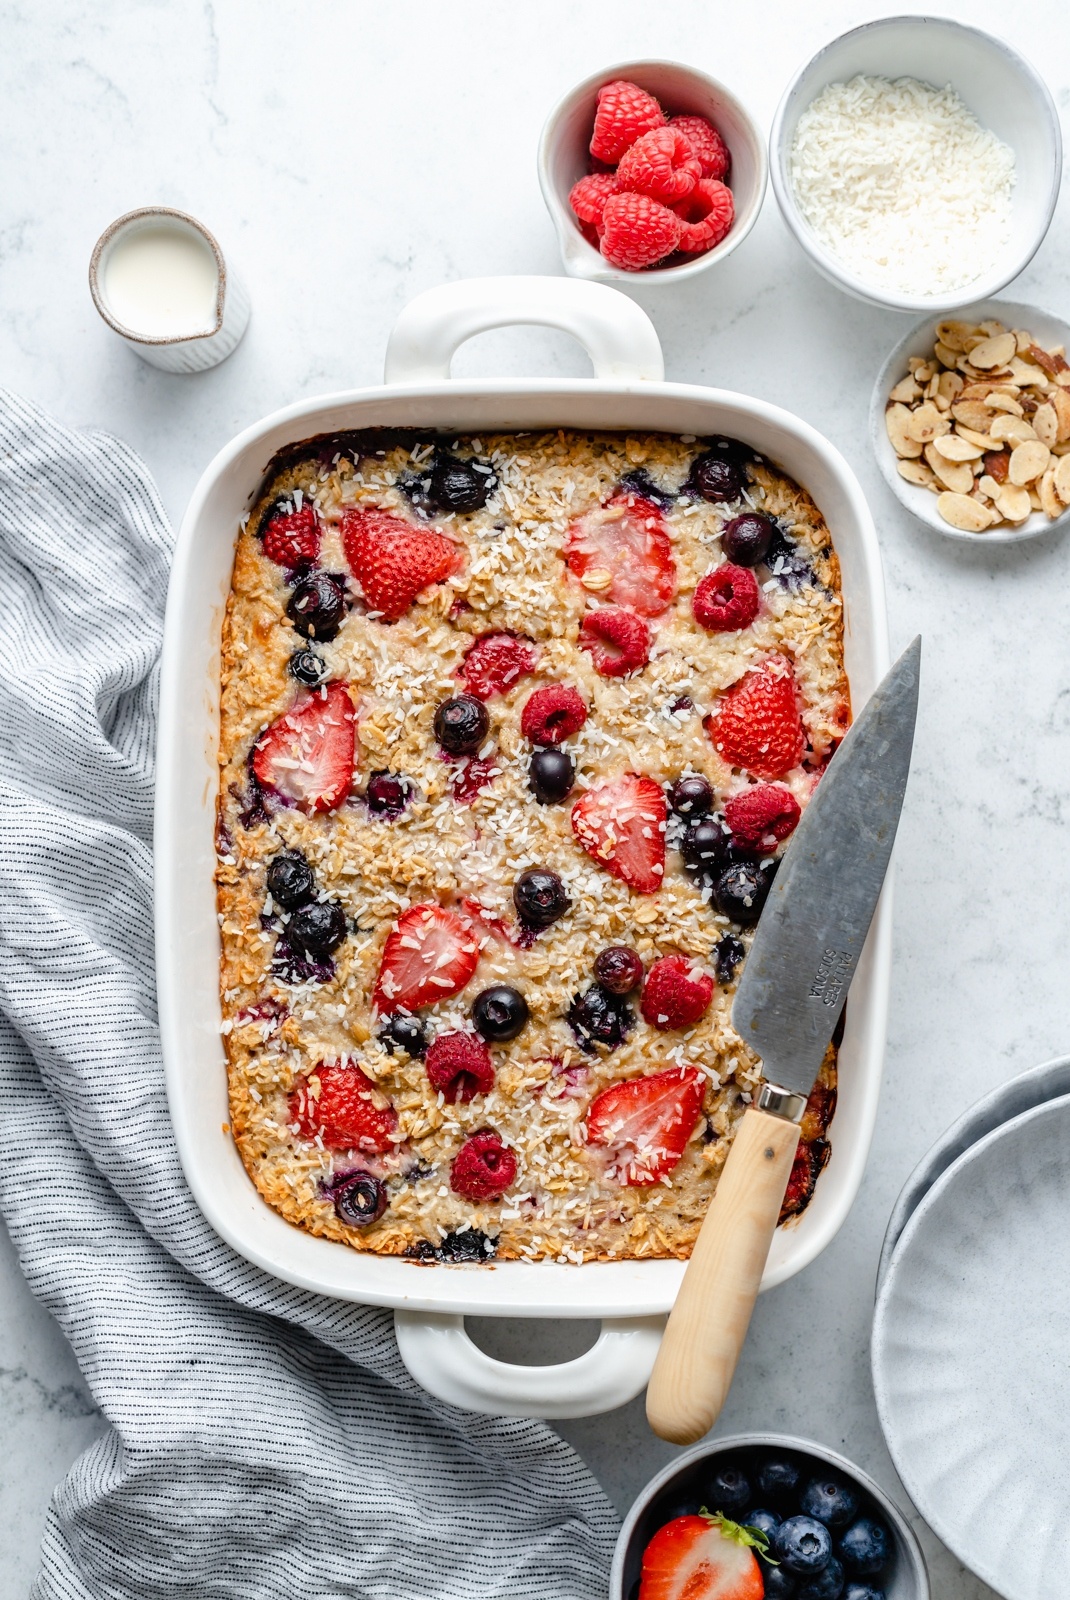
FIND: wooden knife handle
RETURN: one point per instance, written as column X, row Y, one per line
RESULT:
column 708, row 1324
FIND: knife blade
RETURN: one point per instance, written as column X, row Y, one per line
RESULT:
column 803, row 956
column 815, row 921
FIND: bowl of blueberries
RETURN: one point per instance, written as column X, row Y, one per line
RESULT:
column 766, row 1517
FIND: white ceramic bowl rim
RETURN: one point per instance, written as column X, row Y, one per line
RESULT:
column 561, row 213
column 1009, row 266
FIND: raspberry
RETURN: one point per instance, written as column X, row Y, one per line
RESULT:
column 459, row 1067
column 494, row 663
column 482, row 1168
column 762, row 816
column 291, row 537
column 638, row 232
column 660, row 164
column 552, row 714
column 707, row 215
column 618, row 640
column 588, row 197
column 624, row 113
column 757, row 725
column 726, row 599
column 471, row 775
column 676, row 994
column 706, row 143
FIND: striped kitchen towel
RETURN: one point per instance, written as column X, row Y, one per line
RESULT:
column 263, row 1441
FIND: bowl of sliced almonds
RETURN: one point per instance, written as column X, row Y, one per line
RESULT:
column 970, row 422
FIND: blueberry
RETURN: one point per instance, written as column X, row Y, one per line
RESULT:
column 691, row 796
column 786, row 562
column 460, row 485
column 766, row 1522
column 740, row 891
column 803, row 1545
column 778, row 1477
column 289, row 880
column 551, row 776
column 864, row 1547
column 319, row 928
column 728, row 953
column 540, row 897
column 598, row 1017
column 830, row 1501
column 289, row 964
column 308, row 668
column 404, row 1031
column 388, row 793
column 462, row 724
column 861, row 1591
column 317, row 606
column 717, row 476
column 360, row 1199
column 618, row 969
column 500, row 1012
column 730, row 1491
column 779, row 1584
column 827, row 1585
column 746, row 539
column 705, row 847
column 471, row 1245
column 639, row 482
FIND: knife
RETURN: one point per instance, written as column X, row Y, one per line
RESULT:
column 791, row 994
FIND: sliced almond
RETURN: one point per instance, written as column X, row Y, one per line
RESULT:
column 1035, row 501
column 988, row 486
column 1049, row 500
column 1016, row 428
column 1052, row 361
column 1063, row 379
column 999, row 401
column 1012, row 502
column 954, row 475
column 997, row 464
column 985, row 440
column 995, row 351
column 1060, row 404
column 1045, row 423
column 1061, row 480
column 918, row 472
column 945, row 354
column 897, row 421
column 953, row 447
column 1022, row 340
column 990, row 327
column 921, row 370
column 932, row 388
column 1028, row 461
column 906, row 391
column 1062, row 448
column 950, row 385
column 926, row 423
column 953, row 334
column 963, row 512
column 1028, row 375
column 973, row 413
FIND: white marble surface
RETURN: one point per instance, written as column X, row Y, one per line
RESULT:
column 350, row 154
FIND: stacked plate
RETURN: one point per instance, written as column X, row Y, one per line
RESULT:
column 971, row 1336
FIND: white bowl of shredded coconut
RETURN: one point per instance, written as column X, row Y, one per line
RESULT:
column 917, row 161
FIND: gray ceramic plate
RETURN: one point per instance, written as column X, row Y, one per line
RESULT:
column 1032, row 1088
column 970, row 1355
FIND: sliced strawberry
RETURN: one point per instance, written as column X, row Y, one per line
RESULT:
column 627, row 541
column 702, row 1558
column 756, row 723
column 338, row 1104
column 307, row 757
column 677, row 993
column 430, row 955
column 392, row 560
column 495, row 661
column 644, row 1123
column 621, row 825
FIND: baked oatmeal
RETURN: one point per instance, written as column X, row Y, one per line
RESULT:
column 514, row 731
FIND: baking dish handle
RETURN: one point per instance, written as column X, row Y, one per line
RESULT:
column 439, row 1354
column 618, row 336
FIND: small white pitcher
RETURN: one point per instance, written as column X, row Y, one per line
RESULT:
column 174, row 352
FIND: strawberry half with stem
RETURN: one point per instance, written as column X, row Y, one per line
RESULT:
column 621, row 825
column 703, row 1557
column 337, row 1103
column 429, row 955
column 307, row 757
column 644, row 1123
column 392, row 560
column 622, row 553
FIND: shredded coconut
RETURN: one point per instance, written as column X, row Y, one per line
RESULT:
column 900, row 181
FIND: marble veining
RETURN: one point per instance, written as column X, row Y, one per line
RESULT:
column 347, row 163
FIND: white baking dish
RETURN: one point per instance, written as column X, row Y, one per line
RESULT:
column 626, row 391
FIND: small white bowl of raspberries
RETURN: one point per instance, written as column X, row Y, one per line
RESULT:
column 650, row 170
